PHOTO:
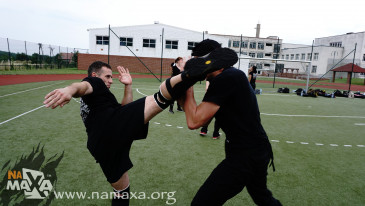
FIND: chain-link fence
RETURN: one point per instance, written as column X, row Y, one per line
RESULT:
column 17, row 54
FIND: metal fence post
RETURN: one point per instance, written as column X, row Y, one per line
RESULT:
column 352, row 69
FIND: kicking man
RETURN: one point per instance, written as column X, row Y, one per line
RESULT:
column 112, row 127
column 232, row 101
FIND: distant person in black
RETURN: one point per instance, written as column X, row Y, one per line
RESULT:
column 112, row 127
column 232, row 101
column 177, row 67
column 252, row 74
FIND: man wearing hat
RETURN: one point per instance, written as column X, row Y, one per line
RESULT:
column 232, row 101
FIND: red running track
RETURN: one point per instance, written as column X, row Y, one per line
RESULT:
column 20, row 79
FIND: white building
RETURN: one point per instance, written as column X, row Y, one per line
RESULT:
column 153, row 40
column 257, row 48
column 148, row 40
column 328, row 52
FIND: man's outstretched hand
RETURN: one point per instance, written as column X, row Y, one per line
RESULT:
column 124, row 76
column 58, row 97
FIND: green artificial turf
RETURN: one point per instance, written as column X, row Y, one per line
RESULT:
column 319, row 158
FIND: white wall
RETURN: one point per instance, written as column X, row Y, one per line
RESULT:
column 152, row 31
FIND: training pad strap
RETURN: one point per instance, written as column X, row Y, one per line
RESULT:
column 180, row 88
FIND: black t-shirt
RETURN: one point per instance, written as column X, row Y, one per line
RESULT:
column 238, row 114
column 175, row 70
column 101, row 98
column 108, row 123
column 253, row 77
column 96, row 109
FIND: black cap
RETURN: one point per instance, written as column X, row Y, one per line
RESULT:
column 205, row 47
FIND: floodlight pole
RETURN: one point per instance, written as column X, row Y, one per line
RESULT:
column 9, row 55
column 239, row 62
column 161, row 52
column 276, row 62
column 109, row 43
column 309, row 67
column 352, row 69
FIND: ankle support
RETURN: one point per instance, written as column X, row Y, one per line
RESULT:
column 161, row 101
column 121, row 197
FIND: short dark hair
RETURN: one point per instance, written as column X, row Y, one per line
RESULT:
column 96, row 67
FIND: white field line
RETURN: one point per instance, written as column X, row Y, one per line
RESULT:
column 141, row 92
column 30, row 89
column 318, row 144
column 284, row 95
column 21, row 115
column 360, row 124
column 305, row 115
column 76, row 100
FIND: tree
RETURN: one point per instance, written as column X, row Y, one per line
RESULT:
column 21, row 57
column 74, row 57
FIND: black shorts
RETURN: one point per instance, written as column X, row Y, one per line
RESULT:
column 111, row 146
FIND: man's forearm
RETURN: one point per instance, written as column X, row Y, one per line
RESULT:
column 190, row 108
column 128, row 95
column 198, row 115
column 79, row 89
column 62, row 96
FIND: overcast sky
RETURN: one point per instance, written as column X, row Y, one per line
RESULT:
column 65, row 22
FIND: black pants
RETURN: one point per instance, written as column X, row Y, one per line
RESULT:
column 216, row 128
column 231, row 176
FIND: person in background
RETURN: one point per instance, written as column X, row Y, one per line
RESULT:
column 204, row 129
column 252, row 74
column 177, row 67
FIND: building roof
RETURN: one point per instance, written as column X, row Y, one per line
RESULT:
column 348, row 68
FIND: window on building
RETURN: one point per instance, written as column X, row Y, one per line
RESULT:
column 287, row 57
column 291, row 56
column 191, row 45
column 314, row 69
column 260, row 45
column 171, row 44
column 267, row 54
column 303, row 57
column 244, row 53
column 363, row 57
column 244, row 44
column 336, row 44
column 309, row 56
column 315, row 58
column 296, row 56
column 151, row 43
column 275, row 56
column 282, row 56
column 266, row 65
column 259, row 66
column 252, row 45
column 102, row 40
column 229, row 43
column 276, row 48
column 252, row 54
column 260, row 55
column 125, row 41
column 268, row 44
column 236, row 44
